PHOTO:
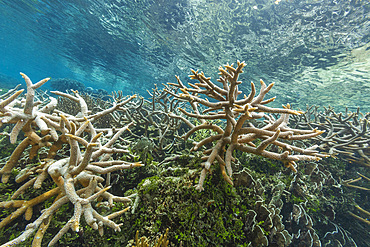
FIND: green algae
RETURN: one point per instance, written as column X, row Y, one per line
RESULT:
column 167, row 199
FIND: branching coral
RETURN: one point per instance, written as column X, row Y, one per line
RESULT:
column 239, row 133
column 151, row 117
column 77, row 177
column 347, row 134
column 153, row 121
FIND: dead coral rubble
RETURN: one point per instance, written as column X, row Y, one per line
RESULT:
column 78, row 177
column 239, row 133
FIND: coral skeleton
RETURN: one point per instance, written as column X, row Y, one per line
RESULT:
column 224, row 103
column 78, row 177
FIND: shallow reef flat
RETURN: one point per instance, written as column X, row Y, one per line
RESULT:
column 200, row 164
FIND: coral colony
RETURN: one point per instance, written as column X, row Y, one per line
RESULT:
column 239, row 133
column 78, row 150
column 78, row 177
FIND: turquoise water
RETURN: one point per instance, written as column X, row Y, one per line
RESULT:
column 317, row 51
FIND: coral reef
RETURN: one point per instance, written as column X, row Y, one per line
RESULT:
column 347, row 136
column 66, row 153
column 346, row 133
column 306, row 235
column 259, row 210
column 153, row 120
column 239, row 133
column 78, row 177
column 153, row 128
column 263, row 223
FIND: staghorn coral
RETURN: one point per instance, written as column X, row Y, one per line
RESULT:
column 258, row 210
column 347, row 134
column 361, row 214
column 239, row 133
column 95, row 105
column 78, row 177
column 153, row 119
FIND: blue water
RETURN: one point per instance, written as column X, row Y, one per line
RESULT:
column 317, row 51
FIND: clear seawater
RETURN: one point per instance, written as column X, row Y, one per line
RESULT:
column 317, row 51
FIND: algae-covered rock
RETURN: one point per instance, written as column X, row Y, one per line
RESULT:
column 209, row 218
column 260, row 210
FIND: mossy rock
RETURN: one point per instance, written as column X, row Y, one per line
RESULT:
column 208, row 218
